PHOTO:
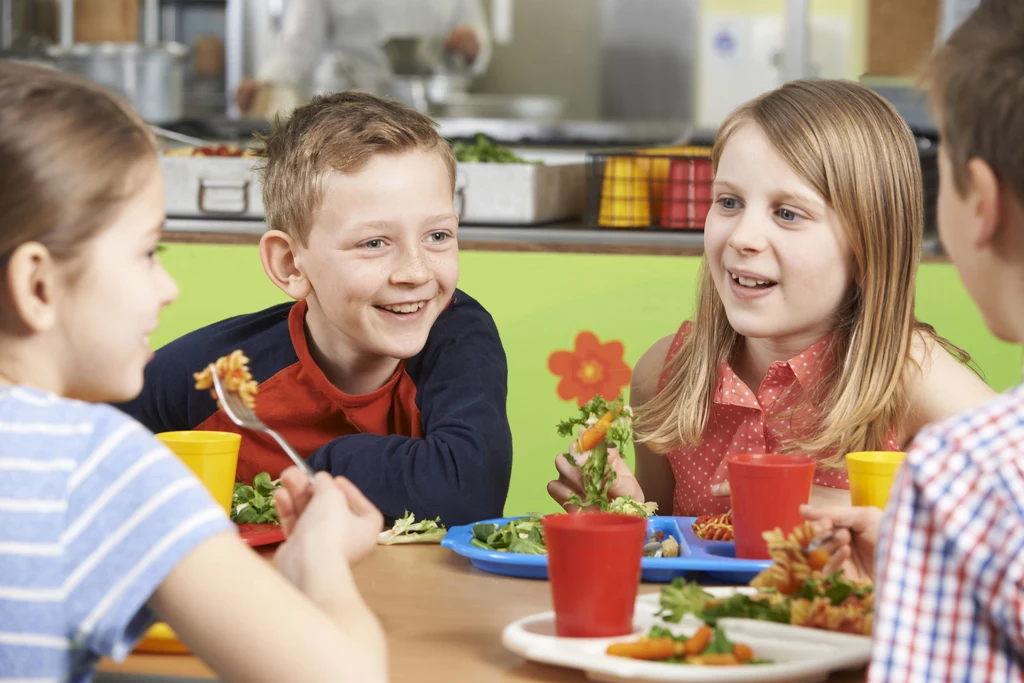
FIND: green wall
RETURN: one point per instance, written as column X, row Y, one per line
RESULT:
column 540, row 302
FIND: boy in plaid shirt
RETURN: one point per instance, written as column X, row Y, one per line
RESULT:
column 950, row 553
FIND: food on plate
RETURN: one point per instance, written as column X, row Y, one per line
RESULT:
column 211, row 151
column 708, row 646
column 255, row 504
column 484, row 150
column 602, row 422
column 791, row 591
column 407, row 530
column 233, row 369
column 661, row 545
column 524, row 535
column 714, row 527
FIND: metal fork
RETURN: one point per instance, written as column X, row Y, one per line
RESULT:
column 243, row 416
column 821, row 540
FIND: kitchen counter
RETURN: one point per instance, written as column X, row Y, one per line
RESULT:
column 567, row 237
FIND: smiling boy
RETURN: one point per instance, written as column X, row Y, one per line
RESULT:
column 382, row 371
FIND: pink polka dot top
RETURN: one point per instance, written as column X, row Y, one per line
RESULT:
column 744, row 422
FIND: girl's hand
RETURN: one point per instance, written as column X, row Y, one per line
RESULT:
column 335, row 505
column 856, row 533
column 570, row 480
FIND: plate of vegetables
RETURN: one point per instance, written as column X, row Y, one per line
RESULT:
column 792, row 623
column 514, row 546
column 730, row 651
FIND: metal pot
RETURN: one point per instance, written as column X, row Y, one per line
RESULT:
column 150, row 77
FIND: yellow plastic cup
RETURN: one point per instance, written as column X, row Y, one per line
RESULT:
column 212, row 457
column 871, row 476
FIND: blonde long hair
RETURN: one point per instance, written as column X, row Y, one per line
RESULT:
column 853, row 148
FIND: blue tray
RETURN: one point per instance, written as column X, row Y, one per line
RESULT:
column 716, row 559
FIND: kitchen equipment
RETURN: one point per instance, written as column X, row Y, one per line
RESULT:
column 150, row 77
column 494, row 106
column 519, row 194
column 211, row 187
column 178, row 137
column 415, row 56
column 424, row 93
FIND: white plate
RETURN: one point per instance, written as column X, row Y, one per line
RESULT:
column 797, row 653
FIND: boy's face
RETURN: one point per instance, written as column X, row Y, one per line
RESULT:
column 382, row 257
column 960, row 223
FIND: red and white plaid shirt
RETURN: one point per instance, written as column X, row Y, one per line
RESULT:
column 950, row 561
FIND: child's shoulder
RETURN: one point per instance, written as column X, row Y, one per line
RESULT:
column 37, row 420
column 650, row 367
column 980, row 434
column 463, row 315
column 262, row 335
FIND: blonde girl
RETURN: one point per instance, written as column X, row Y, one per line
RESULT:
column 804, row 337
column 102, row 529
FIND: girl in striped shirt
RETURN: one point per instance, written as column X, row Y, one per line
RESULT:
column 102, row 529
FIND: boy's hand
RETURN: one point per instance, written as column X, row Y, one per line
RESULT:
column 853, row 546
column 570, row 481
column 360, row 521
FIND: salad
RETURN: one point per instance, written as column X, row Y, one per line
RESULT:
column 791, row 591
column 255, row 504
column 603, row 423
column 484, row 150
column 708, row 646
column 407, row 530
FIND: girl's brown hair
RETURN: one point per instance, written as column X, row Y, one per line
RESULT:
column 70, row 152
column 853, row 148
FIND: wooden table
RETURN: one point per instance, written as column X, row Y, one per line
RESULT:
column 443, row 619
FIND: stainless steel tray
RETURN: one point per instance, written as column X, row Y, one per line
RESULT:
column 485, row 194
column 214, row 187
column 519, row 194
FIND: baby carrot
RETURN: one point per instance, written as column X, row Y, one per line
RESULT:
column 742, row 653
column 595, row 433
column 696, row 643
column 818, row 558
column 725, row 659
column 652, row 649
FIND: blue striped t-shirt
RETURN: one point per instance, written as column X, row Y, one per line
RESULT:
column 94, row 513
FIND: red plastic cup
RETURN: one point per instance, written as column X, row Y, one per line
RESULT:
column 594, row 568
column 767, row 492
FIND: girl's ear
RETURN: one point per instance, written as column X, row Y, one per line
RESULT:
column 31, row 282
column 278, row 252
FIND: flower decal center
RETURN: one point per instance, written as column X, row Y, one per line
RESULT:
column 590, row 372
column 591, row 368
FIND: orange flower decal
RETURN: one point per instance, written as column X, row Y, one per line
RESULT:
column 590, row 369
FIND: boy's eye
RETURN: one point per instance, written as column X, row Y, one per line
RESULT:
column 375, row 243
column 438, row 237
column 729, row 203
column 787, row 215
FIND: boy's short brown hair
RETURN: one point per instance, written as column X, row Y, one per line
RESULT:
column 977, row 81
column 336, row 132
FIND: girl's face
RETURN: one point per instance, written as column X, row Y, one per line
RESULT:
column 112, row 294
column 777, row 252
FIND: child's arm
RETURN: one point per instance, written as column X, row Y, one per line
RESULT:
column 653, row 471
column 245, row 621
column 460, row 469
column 941, row 387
